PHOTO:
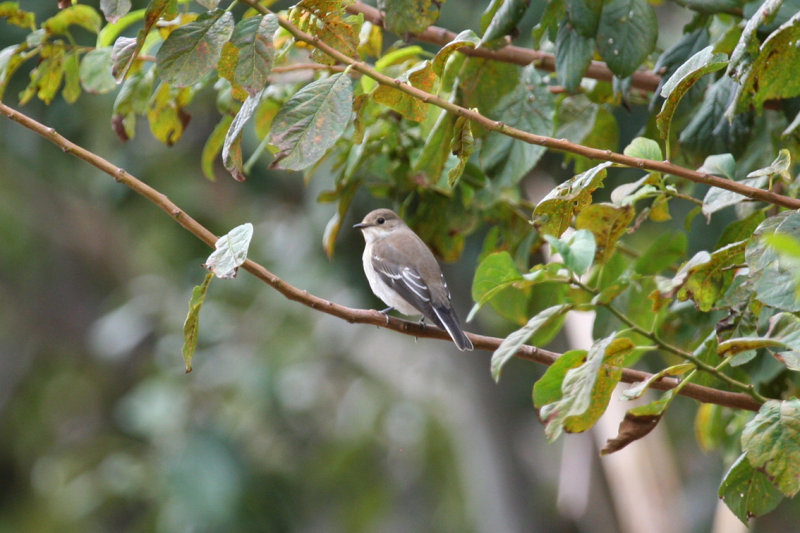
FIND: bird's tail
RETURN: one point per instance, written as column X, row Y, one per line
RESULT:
column 447, row 320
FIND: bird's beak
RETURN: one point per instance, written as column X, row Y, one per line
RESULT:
column 360, row 225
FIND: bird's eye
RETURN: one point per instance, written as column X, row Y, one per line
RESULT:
column 381, row 220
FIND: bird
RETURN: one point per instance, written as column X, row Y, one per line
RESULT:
column 402, row 272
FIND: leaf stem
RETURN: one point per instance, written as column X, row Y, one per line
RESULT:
column 667, row 347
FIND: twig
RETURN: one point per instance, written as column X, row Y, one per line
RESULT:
column 683, row 354
column 516, row 55
column 361, row 316
column 549, row 142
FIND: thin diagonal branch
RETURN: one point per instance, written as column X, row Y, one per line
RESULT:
column 360, row 316
column 562, row 145
column 597, row 70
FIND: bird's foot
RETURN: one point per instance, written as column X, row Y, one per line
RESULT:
column 386, row 313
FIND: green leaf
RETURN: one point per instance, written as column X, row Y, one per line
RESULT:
column 76, row 15
column 577, row 251
column 748, row 492
column 575, row 118
column 586, row 389
column 637, row 390
column 529, row 107
column 166, row 113
column 230, row 252
column 574, row 54
column 122, row 55
column 667, row 249
column 46, row 77
column 496, row 272
column 700, row 64
column 213, row 146
column 420, row 76
column 193, row 50
column 584, row 15
column 253, row 38
column 772, row 74
column 512, row 343
column 717, row 198
column 548, row 388
column 11, row 12
column 10, row 59
column 608, row 223
column 115, row 9
column 505, row 14
column 742, row 344
column 327, row 20
column 191, row 325
column 95, row 72
column 485, row 82
column 784, row 328
column 549, row 22
column 720, row 165
column 626, row 35
column 747, row 48
column 465, row 39
column 708, row 130
column 403, row 17
column 311, row 122
column 774, row 284
column 739, row 230
column 771, row 441
column 554, row 212
column 462, row 145
column 132, row 99
column 155, row 10
column 644, row 148
column 72, row 80
column 707, row 276
column 436, row 152
column 780, row 165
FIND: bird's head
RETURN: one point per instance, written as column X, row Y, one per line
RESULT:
column 379, row 223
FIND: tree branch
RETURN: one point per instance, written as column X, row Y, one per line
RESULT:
column 361, row 316
column 549, row 142
column 597, row 70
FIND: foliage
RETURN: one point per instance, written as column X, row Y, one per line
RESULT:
column 403, row 126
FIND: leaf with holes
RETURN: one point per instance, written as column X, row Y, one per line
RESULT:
column 626, row 34
column 748, row 492
column 554, row 212
column 771, row 441
column 328, row 21
column 403, row 17
column 608, row 223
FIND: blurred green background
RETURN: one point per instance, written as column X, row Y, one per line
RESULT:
column 291, row 420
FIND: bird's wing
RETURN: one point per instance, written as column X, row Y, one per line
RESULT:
column 409, row 281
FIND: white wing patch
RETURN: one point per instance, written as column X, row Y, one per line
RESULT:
column 414, row 282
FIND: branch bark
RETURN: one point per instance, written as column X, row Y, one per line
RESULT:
column 360, row 316
column 562, row 145
column 597, row 70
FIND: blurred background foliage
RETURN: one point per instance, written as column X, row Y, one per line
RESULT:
column 291, row 420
